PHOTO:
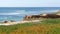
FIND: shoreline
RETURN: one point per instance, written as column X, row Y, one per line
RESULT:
column 18, row 22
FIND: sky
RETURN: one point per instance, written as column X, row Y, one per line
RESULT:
column 29, row 3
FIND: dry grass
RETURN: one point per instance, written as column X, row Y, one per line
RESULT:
column 46, row 27
column 38, row 29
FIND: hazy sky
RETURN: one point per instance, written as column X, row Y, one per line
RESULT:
column 29, row 3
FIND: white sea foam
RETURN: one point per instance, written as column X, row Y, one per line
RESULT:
column 9, row 13
column 13, row 13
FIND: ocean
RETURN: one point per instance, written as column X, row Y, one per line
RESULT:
column 17, row 13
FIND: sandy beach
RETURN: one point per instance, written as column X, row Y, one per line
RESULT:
column 18, row 22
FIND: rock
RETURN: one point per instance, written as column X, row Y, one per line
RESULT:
column 5, row 22
column 51, row 16
column 34, row 17
column 12, row 21
column 31, row 17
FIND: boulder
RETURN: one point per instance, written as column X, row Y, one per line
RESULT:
column 5, row 21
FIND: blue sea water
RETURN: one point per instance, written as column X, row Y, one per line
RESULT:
column 17, row 13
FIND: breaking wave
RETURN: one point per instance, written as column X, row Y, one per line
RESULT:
column 9, row 13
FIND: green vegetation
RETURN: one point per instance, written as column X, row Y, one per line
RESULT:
column 47, row 26
column 54, row 21
column 8, row 29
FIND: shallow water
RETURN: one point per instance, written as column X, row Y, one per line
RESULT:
column 17, row 13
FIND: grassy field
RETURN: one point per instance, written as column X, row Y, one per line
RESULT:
column 47, row 26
